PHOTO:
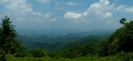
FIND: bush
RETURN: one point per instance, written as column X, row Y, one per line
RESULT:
column 54, row 55
column 123, row 56
column 22, row 54
column 39, row 53
column 2, row 55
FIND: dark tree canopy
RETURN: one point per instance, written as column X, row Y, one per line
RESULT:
column 8, row 42
column 121, row 39
column 123, row 21
column 7, row 35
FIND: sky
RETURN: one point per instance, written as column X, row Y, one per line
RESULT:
column 66, row 15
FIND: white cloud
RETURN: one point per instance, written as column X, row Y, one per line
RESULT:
column 20, row 7
column 106, row 2
column 20, row 19
column 108, row 15
column 37, row 13
column 101, row 9
column 53, row 19
column 73, row 3
column 119, row 8
column 44, row 1
column 4, row 1
column 129, row 10
column 20, row 10
column 108, row 22
column 72, row 15
column 123, row 8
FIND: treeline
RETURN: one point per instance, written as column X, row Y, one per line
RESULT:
column 119, row 43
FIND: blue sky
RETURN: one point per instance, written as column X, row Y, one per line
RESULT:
column 66, row 15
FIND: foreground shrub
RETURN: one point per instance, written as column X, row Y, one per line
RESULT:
column 39, row 53
column 123, row 56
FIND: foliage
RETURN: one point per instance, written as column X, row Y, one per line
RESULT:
column 8, row 42
column 39, row 53
column 120, row 40
column 123, row 21
column 2, row 55
column 7, row 35
column 22, row 53
column 102, row 50
column 74, row 51
column 82, row 50
column 90, row 58
column 123, row 56
column 55, row 55
column 89, row 49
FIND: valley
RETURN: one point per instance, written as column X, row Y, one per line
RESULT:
column 62, row 41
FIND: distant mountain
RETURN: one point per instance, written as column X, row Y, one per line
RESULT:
column 42, row 38
column 35, row 45
column 67, row 35
column 61, row 43
column 92, row 38
column 23, row 38
column 51, row 43
column 100, row 32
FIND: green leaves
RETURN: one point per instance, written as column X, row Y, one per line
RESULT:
column 123, row 21
column 8, row 41
column 2, row 55
column 38, row 53
column 7, row 35
column 88, row 49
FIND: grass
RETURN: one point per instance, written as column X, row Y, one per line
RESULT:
column 118, row 57
column 94, row 58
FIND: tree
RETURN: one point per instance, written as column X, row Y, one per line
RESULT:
column 2, row 55
column 89, row 49
column 7, row 35
column 123, row 21
column 74, row 51
column 102, row 50
column 8, row 42
column 39, row 53
column 121, row 39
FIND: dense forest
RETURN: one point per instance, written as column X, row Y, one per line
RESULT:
column 116, row 47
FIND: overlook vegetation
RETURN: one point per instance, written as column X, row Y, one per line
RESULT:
column 116, row 47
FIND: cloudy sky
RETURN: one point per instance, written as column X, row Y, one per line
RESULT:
column 66, row 14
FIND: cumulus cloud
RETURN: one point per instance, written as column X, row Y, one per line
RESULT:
column 73, row 3
column 72, row 15
column 101, row 9
column 17, row 6
column 44, row 1
column 37, row 13
column 20, row 10
column 108, row 15
column 20, row 19
column 3, row 1
column 123, row 8
column 106, row 2
column 53, row 19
